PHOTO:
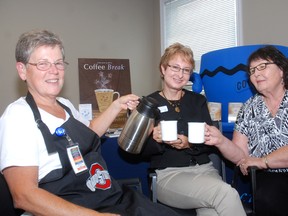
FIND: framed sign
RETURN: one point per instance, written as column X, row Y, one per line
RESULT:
column 101, row 81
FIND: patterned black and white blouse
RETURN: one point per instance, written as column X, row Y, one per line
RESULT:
column 265, row 133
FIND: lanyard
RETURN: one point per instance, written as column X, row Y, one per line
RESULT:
column 41, row 125
column 73, row 151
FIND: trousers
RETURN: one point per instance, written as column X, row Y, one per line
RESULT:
column 199, row 187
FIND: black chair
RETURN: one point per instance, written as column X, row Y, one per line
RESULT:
column 249, row 207
column 7, row 207
column 133, row 183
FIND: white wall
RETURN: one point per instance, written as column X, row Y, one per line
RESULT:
column 125, row 29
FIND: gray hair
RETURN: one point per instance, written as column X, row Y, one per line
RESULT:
column 31, row 40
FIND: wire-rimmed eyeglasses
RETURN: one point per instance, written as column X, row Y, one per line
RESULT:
column 46, row 65
column 175, row 68
column 259, row 67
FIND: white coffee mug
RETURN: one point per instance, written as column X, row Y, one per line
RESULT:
column 196, row 132
column 169, row 130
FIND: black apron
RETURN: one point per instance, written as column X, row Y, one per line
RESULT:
column 95, row 188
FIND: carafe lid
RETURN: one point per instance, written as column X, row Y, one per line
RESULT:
column 148, row 107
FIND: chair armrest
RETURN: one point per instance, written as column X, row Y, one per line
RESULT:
column 153, row 177
column 252, row 172
column 134, row 183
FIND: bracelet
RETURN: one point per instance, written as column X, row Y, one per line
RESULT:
column 266, row 161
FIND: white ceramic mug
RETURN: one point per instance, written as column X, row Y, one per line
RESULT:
column 169, row 130
column 196, row 132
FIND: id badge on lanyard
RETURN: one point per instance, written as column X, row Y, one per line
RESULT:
column 73, row 151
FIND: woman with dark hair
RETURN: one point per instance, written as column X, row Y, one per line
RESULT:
column 260, row 135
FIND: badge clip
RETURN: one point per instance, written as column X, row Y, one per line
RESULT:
column 74, row 154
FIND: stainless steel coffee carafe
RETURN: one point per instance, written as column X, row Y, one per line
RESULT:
column 138, row 126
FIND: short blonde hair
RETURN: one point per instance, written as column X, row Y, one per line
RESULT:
column 177, row 49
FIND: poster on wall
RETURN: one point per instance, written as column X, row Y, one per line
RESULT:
column 100, row 82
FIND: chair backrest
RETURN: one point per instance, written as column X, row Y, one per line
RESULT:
column 219, row 164
column 6, row 206
column 216, row 158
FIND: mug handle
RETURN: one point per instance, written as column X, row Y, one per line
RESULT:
column 118, row 94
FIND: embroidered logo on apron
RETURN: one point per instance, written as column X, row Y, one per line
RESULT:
column 99, row 178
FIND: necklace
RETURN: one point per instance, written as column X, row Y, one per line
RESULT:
column 174, row 103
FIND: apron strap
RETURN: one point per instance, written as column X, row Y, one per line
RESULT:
column 41, row 125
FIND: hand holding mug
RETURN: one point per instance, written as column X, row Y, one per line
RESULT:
column 157, row 135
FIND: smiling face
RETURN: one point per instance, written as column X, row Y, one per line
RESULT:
column 176, row 79
column 268, row 80
column 46, row 83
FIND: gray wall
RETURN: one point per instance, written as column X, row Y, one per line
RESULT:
column 127, row 29
column 113, row 29
column 265, row 21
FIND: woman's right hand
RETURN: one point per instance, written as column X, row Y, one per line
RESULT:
column 213, row 135
column 157, row 134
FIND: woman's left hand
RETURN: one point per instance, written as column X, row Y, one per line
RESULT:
column 247, row 162
column 180, row 143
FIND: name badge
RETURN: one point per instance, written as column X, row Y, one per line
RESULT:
column 74, row 154
column 163, row 109
column 76, row 160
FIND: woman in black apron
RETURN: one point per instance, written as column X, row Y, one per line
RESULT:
column 82, row 183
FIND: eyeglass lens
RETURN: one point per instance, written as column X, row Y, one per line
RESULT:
column 177, row 69
column 45, row 65
column 259, row 67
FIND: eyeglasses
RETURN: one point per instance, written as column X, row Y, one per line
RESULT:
column 259, row 67
column 175, row 68
column 45, row 65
